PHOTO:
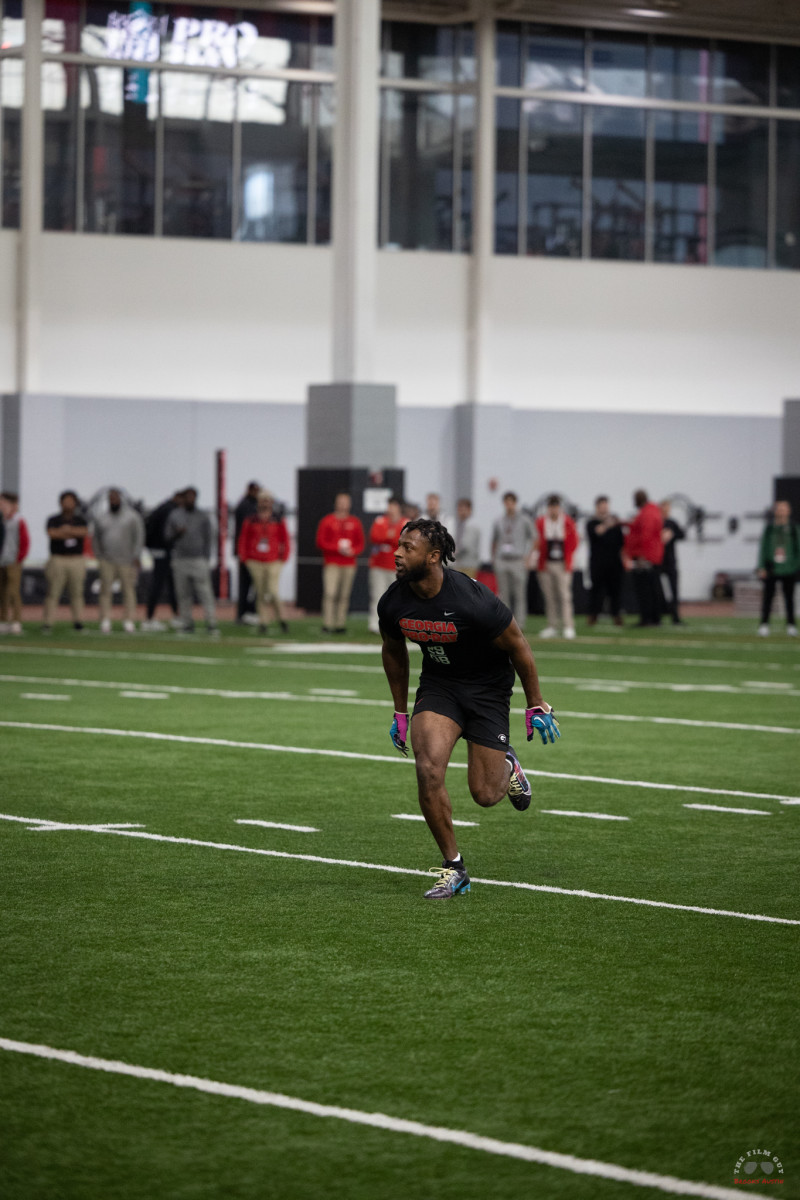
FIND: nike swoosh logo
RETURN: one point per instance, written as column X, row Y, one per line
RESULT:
column 452, row 614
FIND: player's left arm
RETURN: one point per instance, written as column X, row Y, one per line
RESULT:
column 538, row 714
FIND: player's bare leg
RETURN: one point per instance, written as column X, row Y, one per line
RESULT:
column 488, row 774
column 433, row 737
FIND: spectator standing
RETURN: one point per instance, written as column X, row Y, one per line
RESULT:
column 340, row 537
column 263, row 548
column 512, row 543
column 118, row 540
column 384, row 537
column 556, row 541
column 433, row 512
column 247, row 507
column 606, row 540
column 671, row 533
column 13, row 551
column 779, row 563
column 467, row 536
column 66, row 564
column 188, row 532
column 643, row 554
column 161, row 577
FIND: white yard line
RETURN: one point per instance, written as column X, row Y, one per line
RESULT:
column 42, row 696
column 142, row 695
column 566, row 812
column 368, row 866
column 376, row 1120
column 278, row 825
column 761, row 812
column 186, row 739
column 419, row 817
column 322, row 696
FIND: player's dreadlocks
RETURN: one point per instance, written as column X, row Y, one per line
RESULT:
column 436, row 536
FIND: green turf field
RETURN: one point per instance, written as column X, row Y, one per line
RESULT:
column 560, row 1017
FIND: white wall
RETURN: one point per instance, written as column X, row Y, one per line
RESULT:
column 182, row 319
column 8, row 301
column 632, row 337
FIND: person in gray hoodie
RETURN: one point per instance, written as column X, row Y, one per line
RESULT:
column 117, row 539
column 188, row 534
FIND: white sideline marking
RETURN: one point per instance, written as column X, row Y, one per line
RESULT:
column 345, row 692
column 581, row 683
column 278, row 825
column 354, row 1116
column 186, row 739
column 144, row 695
column 328, row 696
column 566, row 812
column 761, row 812
column 42, row 696
column 367, row 866
column 419, row 817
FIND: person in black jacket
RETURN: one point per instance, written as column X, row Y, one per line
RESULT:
column 670, row 534
column 162, row 565
column 606, row 539
column 247, row 507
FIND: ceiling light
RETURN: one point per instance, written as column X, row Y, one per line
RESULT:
column 645, row 12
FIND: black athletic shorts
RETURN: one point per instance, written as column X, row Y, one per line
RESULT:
column 482, row 712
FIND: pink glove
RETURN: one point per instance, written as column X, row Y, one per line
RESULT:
column 399, row 732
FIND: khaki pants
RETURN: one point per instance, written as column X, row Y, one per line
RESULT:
column 337, row 584
column 65, row 570
column 379, row 580
column 266, row 577
column 512, row 586
column 11, row 592
column 556, row 584
column 193, row 576
column 127, row 577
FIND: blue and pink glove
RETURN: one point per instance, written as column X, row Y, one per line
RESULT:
column 399, row 732
column 543, row 719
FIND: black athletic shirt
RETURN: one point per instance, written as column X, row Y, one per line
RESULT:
column 454, row 630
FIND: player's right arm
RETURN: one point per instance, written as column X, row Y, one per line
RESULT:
column 394, row 653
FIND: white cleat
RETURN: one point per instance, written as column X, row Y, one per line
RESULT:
column 16, row 628
column 549, row 632
column 763, row 631
column 791, row 630
column 129, row 626
column 569, row 633
column 105, row 625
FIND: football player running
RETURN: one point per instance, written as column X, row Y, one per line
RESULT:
column 471, row 648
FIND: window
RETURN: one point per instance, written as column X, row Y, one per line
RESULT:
column 638, row 162
column 787, row 244
column 419, row 143
column 680, row 187
column 741, row 193
column 10, row 141
column 618, row 183
column 120, row 111
column 427, row 134
column 555, row 178
column 210, row 152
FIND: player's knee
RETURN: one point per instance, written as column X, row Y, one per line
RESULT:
column 483, row 795
column 430, row 774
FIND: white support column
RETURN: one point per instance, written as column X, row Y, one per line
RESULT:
column 29, row 268
column 355, row 190
column 483, row 215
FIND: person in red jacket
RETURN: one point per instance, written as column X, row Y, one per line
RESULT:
column 556, row 542
column 384, row 538
column 642, row 554
column 14, row 550
column 340, row 537
column 263, row 547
